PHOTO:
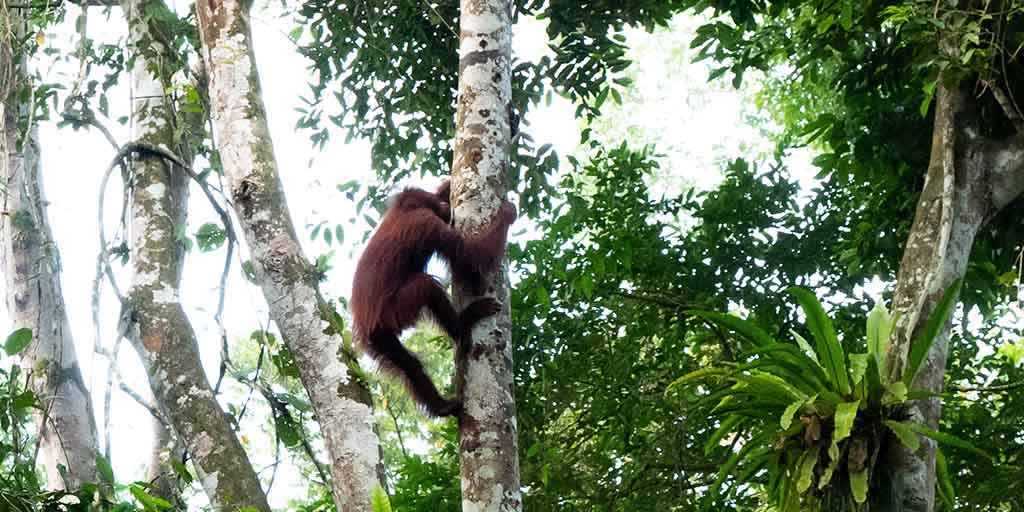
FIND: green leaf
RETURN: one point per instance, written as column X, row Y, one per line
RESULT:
column 929, row 93
column 18, row 340
column 744, row 328
column 826, row 476
column 734, row 460
column 182, row 471
column 944, row 482
column 859, row 485
column 380, row 501
column 904, row 433
column 771, row 387
column 936, row 322
column 805, row 469
column 148, row 501
column 846, row 412
column 287, row 432
column 846, row 15
column 103, row 466
column 339, row 234
column 879, row 329
column 728, row 426
column 787, row 415
column 896, row 393
column 828, row 348
column 697, row 375
column 24, row 400
column 805, row 346
column 210, row 237
column 785, row 353
column 858, row 367
column 946, row 439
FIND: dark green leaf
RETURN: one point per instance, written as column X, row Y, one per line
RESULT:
column 828, row 348
column 18, row 340
column 936, row 322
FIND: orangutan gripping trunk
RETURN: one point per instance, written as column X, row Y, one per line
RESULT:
column 391, row 287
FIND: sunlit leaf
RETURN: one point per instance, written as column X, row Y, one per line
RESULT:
column 879, row 328
column 805, row 470
column 904, row 433
column 859, row 485
column 787, row 415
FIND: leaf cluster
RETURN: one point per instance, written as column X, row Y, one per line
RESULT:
column 845, row 405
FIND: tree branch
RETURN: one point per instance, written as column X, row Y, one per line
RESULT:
column 1011, row 111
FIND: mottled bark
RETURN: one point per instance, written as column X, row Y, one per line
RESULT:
column 969, row 180
column 326, row 366
column 488, row 433
column 153, row 318
column 31, row 264
column 160, row 472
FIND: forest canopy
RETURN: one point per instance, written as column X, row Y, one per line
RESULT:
column 767, row 255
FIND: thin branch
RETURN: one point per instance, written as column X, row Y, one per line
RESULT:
column 993, row 389
column 398, row 428
column 107, row 393
column 277, row 462
column 1012, row 113
column 659, row 301
column 142, row 401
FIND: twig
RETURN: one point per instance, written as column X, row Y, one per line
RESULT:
column 398, row 428
column 142, row 401
column 107, row 393
column 277, row 463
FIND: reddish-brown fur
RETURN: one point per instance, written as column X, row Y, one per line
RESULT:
column 391, row 286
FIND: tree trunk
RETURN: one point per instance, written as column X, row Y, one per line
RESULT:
column 327, row 366
column 31, row 263
column 969, row 180
column 153, row 318
column 488, row 434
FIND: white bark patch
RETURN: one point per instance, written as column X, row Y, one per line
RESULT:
column 203, row 447
column 148, row 278
column 231, row 90
column 484, row 504
column 156, row 191
column 353, row 447
column 166, row 295
column 482, row 20
column 210, row 482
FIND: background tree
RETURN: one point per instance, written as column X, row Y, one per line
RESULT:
column 65, row 421
column 309, row 325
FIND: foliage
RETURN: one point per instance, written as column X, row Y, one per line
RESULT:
column 601, row 329
column 402, row 96
column 431, row 483
column 21, row 486
column 844, row 404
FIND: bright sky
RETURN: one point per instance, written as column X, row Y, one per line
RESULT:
column 695, row 125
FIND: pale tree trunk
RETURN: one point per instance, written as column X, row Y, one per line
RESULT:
column 488, row 434
column 327, row 366
column 31, row 264
column 970, row 179
column 153, row 318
